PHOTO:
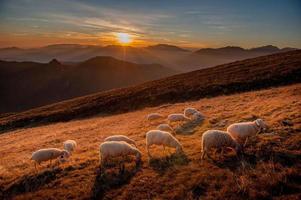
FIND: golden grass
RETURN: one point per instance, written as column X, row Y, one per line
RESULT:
column 270, row 168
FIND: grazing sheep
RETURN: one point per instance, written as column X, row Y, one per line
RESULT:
column 162, row 138
column 197, row 116
column 189, row 111
column 154, row 116
column 111, row 149
column 120, row 138
column 177, row 117
column 70, row 145
column 218, row 140
column 242, row 131
column 166, row 127
column 49, row 154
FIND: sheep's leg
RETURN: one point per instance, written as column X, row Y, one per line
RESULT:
column 35, row 166
column 246, row 142
column 148, row 152
column 102, row 164
column 203, row 155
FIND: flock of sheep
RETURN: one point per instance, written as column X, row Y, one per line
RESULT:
column 235, row 137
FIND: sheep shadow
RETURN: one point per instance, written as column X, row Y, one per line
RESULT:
column 188, row 128
column 31, row 183
column 106, row 181
column 162, row 164
column 235, row 163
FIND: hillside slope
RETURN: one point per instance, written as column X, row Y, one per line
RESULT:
column 250, row 74
column 25, row 85
column 269, row 169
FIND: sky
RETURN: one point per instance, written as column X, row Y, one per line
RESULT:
column 186, row 23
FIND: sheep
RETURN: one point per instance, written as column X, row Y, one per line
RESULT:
column 154, row 116
column 242, row 131
column 111, row 149
column 218, row 140
column 42, row 155
column 189, row 111
column 197, row 116
column 120, row 138
column 162, row 138
column 166, row 127
column 70, row 145
column 177, row 117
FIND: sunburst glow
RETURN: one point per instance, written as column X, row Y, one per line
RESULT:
column 124, row 38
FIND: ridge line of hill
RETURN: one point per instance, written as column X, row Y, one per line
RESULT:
column 250, row 74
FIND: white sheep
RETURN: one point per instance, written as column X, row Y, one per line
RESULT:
column 154, row 116
column 111, row 149
column 189, row 111
column 177, row 117
column 42, row 155
column 120, row 138
column 242, row 131
column 164, row 138
column 197, row 116
column 218, row 140
column 166, row 127
column 70, row 145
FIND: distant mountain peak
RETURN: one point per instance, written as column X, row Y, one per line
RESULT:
column 266, row 48
column 166, row 47
column 54, row 62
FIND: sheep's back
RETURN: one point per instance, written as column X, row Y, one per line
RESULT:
column 215, row 139
column 240, row 131
column 46, row 154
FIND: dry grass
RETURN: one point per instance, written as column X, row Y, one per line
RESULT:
column 270, row 168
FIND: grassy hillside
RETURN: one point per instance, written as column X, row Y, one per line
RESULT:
column 270, row 168
column 250, row 74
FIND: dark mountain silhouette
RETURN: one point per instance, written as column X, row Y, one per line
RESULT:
column 165, row 47
column 25, row 85
column 209, row 57
column 167, row 55
column 251, row 74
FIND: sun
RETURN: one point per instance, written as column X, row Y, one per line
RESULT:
column 124, row 38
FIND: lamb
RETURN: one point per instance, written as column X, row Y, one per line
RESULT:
column 70, row 145
column 177, row 117
column 242, row 131
column 42, row 155
column 218, row 140
column 154, row 116
column 111, row 149
column 166, row 127
column 162, row 138
column 120, row 138
column 189, row 111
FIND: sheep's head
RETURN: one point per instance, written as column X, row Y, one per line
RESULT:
column 197, row 116
column 64, row 156
column 260, row 123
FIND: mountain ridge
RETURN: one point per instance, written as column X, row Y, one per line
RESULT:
column 250, row 74
column 172, row 56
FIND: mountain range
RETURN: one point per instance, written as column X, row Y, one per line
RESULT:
column 24, row 85
column 174, row 57
column 251, row 74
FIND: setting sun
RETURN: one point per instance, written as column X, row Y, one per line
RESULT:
column 124, row 38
